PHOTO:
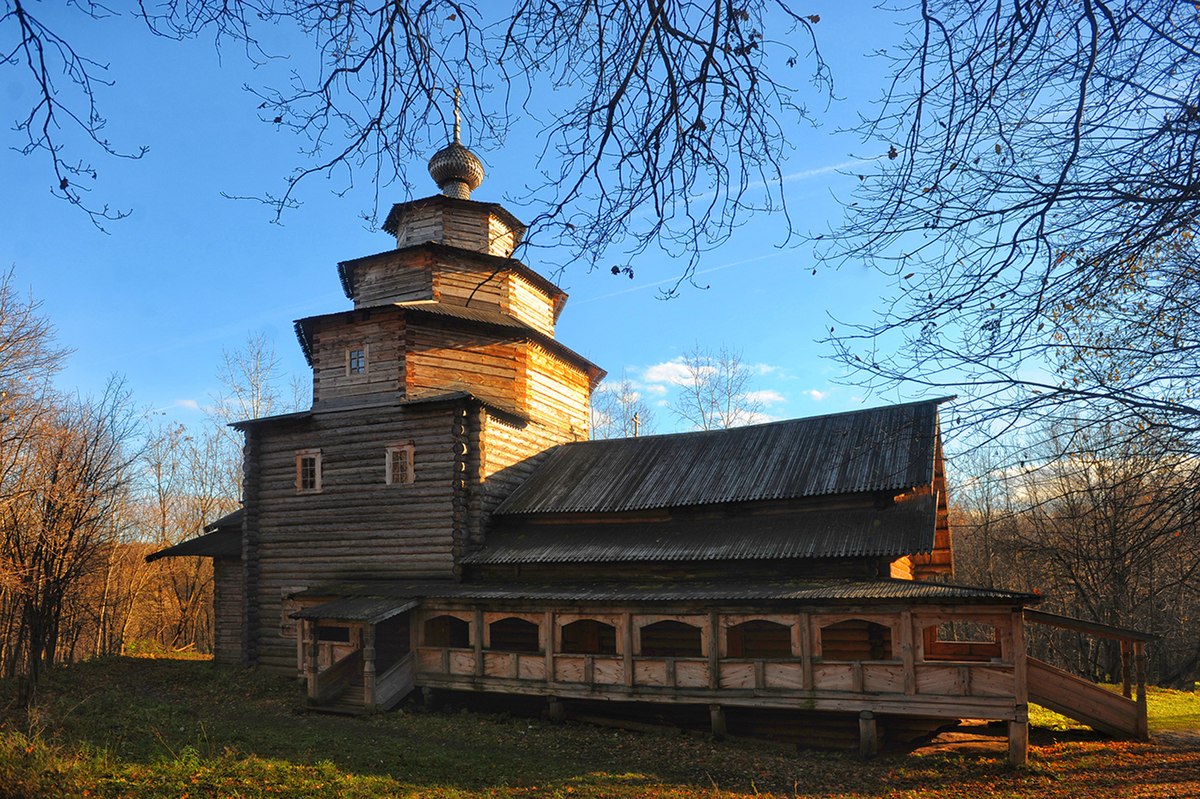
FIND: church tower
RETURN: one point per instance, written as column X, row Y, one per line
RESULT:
column 432, row 399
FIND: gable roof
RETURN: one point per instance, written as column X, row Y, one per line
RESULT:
column 880, row 449
column 905, row 528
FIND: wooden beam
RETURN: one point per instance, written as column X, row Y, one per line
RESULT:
column 1093, row 627
column 1139, row 667
column 478, row 642
column 868, row 734
column 716, row 715
column 714, row 650
column 1018, row 743
column 627, row 646
column 907, row 655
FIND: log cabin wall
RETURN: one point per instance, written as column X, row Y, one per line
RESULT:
column 396, row 276
column 379, row 336
column 559, row 393
column 444, row 358
column 530, row 304
column 938, row 564
column 356, row 524
column 228, row 595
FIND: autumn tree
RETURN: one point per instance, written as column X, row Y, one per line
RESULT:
column 658, row 122
column 70, row 479
column 713, row 390
column 1036, row 209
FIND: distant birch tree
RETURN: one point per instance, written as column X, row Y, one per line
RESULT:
column 714, row 390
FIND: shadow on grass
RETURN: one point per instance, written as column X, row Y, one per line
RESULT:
column 141, row 727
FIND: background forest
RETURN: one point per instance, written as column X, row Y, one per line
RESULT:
column 90, row 486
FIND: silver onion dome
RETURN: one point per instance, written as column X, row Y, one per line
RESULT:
column 456, row 170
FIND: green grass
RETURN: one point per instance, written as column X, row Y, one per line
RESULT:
column 127, row 727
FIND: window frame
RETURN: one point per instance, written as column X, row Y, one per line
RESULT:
column 365, row 349
column 301, row 457
column 407, row 451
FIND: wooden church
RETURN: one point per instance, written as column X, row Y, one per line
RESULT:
column 439, row 520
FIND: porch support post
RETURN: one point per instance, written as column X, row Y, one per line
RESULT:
column 1018, row 728
column 716, row 715
column 1018, row 742
column 555, row 709
column 1126, row 670
column 310, row 662
column 868, row 734
column 369, row 666
column 1139, row 669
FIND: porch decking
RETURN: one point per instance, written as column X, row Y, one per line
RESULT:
column 885, row 660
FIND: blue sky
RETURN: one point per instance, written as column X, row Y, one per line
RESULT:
column 190, row 273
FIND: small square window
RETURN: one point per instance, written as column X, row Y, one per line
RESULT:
column 399, row 465
column 308, row 471
column 356, row 362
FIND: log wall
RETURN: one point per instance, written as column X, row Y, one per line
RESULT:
column 357, row 525
column 442, row 359
column 228, row 595
column 394, row 277
column 381, row 336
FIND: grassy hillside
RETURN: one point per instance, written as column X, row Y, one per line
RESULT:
column 163, row 728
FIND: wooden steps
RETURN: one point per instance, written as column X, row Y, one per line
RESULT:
column 347, row 703
column 1084, row 701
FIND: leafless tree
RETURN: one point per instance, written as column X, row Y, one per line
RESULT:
column 659, row 121
column 251, row 387
column 714, row 390
column 1037, row 209
column 620, row 411
column 1111, row 537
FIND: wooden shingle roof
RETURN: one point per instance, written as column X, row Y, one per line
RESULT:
column 903, row 529
column 876, row 450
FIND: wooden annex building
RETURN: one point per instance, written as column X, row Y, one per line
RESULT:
column 439, row 520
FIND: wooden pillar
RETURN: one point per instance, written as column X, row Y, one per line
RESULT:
column 555, row 709
column 1126, row 670
column 868, row 734
column 907, row 653
column 368, row 667
column 716, row 715
column 1018, row 742
column 1139, row 673
column 1018, row 728
column 478, row 642
column 310, row 663
column 627, row 647
column 429, row 696
column 714, row 650
column 548, row 625
column 805, row 651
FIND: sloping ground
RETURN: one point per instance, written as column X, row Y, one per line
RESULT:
column 143, row 728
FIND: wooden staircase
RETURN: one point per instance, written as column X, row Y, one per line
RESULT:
column 1086, row 702
column 349, row 702
column 1119, row 715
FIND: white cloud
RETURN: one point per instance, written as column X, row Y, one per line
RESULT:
column 766, row 396
column 673, row 372
column 186, row 404
column 762, row 369
column 816, row 395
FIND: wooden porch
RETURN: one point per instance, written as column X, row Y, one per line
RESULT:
column 908, row 661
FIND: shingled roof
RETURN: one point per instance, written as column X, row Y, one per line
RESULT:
column 902, row 529
column 880, row 449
